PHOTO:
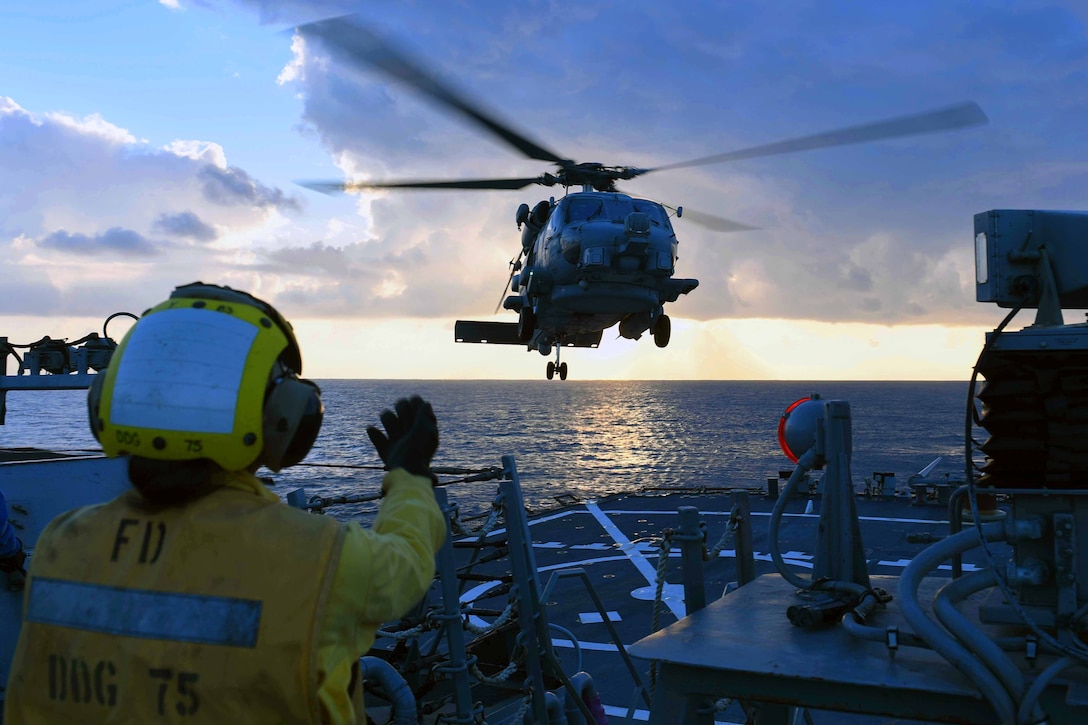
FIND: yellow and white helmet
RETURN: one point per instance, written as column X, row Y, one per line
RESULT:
column 210, row 373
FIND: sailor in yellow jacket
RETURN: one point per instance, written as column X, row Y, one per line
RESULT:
column 198, row 596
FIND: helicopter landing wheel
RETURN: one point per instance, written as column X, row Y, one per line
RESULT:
column 662, row 331
column 562, row 368
column 551, row 371
column 526, row 324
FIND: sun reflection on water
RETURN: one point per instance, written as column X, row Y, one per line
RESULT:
column 586, row 438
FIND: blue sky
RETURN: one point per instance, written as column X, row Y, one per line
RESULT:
column 146, row 144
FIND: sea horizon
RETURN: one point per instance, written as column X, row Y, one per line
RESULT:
column 582, row 438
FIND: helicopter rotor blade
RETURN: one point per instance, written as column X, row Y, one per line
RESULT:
column 361, row 46
column 711, row 222
column 715, row 223
column 946, row 119
column 329, row 187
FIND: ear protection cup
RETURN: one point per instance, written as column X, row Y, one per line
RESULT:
column 292, row 418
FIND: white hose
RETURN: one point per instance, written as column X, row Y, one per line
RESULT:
column 804, row 465
column 937, row 638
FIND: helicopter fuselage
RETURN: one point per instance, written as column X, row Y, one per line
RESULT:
column 592, row 260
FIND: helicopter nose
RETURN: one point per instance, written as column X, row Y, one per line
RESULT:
column 636, row 231
column 637, row 224
column 635, row 247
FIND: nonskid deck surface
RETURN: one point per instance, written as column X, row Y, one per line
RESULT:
column 615, row 540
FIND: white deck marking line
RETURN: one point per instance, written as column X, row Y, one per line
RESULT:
column 534, row 522
column 648, row 571
column 967, row 566
column 596, row 618
column 652, row 512
column 596, row 546
column 613, row 711
column 480, row 589
column 587, row 646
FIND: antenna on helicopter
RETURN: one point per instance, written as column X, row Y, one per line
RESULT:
column 515, row 265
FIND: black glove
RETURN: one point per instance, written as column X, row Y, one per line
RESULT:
column 15, row 568
column 410, row 439
column 14, row 562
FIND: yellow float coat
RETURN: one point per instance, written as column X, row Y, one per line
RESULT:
column 232, row 608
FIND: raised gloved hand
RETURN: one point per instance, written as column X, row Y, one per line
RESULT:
column 15, row 568
column 410, row 439
column 15, row 562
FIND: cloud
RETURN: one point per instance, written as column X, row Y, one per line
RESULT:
column 90, row 175
column 199, row 151
column 838, row 239
column 30, row 292
column 317, row 260
column 93, row 125
column 233, row 187
column 112, row 241
column 279, row 11
column 879, row 233
column 186, row 224
column 87, row 189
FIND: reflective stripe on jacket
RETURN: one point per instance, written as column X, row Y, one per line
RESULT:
column 202, row 612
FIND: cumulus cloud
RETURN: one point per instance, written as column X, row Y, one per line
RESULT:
column 68, row 173
column 234, row 187
column 186, row 224
column 86, row 188
column 826, row 247
column 111, row 241
column 879, row 233
column 94, row 125
column 317, row 260
column 278, row 11
column 207, row 151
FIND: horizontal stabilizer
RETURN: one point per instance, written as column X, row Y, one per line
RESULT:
column 495, row 333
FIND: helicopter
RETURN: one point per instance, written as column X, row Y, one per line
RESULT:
column 597, row 257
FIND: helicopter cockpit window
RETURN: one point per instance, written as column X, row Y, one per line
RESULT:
column 653, row 211
column 583, row 209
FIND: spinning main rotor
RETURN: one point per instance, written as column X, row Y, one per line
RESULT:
column 347, row 39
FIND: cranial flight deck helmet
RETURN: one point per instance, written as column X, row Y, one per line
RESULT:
column 210, row 373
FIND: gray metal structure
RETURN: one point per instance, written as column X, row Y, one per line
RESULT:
column 547, row 693
column 38, row 487
column 1002, row 644
column 53, row 365
column 1005, row 644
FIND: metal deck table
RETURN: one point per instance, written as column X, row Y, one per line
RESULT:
column 743, row 646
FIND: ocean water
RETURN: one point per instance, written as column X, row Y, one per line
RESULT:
column 584, row 438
